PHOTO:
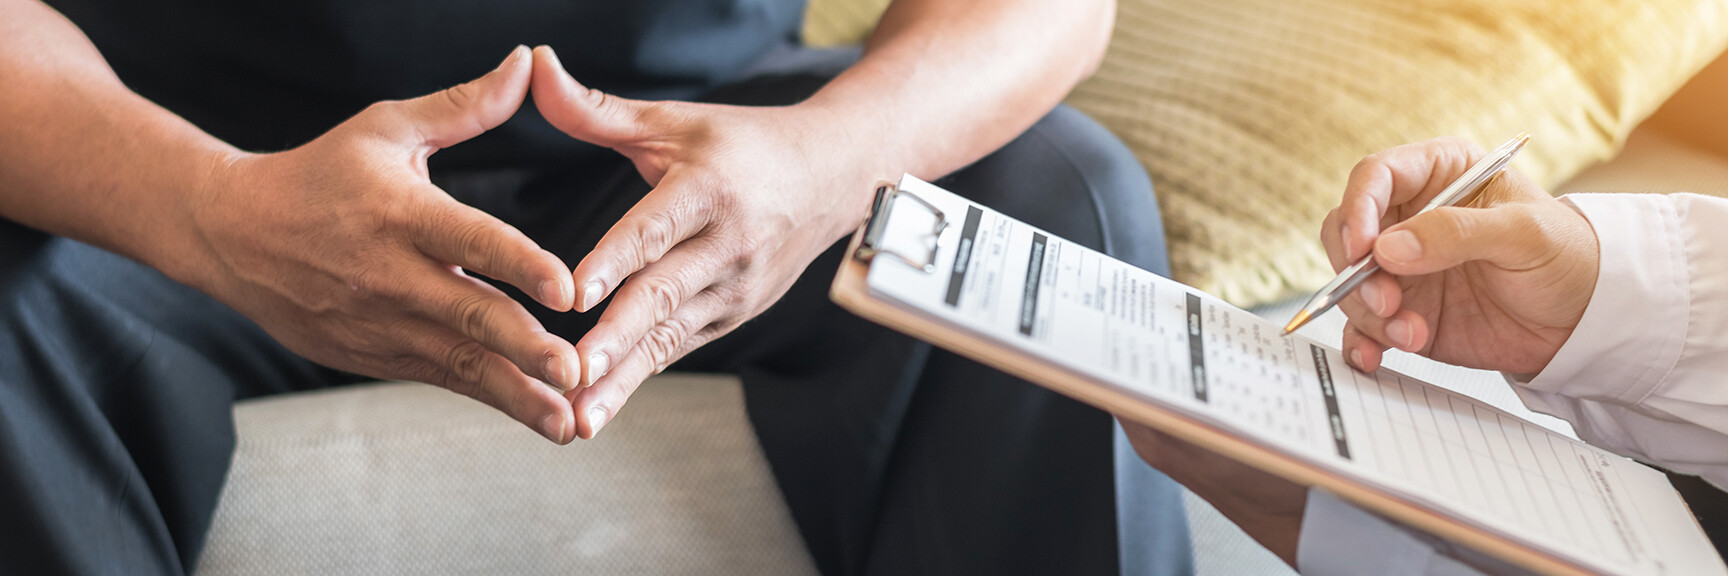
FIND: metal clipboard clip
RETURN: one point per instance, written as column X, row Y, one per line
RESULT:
column 871, row 245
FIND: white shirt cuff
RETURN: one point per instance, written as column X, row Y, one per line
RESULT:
column 1627, row 339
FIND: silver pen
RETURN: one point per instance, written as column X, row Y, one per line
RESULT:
column 1462, row 190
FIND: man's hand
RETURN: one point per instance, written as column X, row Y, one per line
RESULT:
column 345, row 252
column 740, row 207
column 1267, row 507
column 1497, row 286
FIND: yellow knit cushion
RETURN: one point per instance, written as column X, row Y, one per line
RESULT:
column 1250, row 113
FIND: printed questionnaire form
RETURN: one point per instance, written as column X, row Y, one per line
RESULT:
column 1121, row 326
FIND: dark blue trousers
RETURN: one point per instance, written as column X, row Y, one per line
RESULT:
column 117, row 387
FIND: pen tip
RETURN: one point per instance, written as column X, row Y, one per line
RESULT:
column 1297, row 322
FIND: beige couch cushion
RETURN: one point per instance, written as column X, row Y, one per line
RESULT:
column 1250, row 113
column 410, row 479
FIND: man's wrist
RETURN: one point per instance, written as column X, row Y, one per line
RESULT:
column 176, row 243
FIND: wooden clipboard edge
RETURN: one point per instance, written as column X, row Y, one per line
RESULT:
column 851, row 291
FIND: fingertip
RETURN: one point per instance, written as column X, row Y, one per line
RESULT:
column 545, row 54
column 593, row 292
column 558, row 427
column 556, row 293
column 590, row 277
column 1419, row 332
column 590, row 419
column 1381, row 294
column 598, row 364
column 1407, row 331
column 513, row 74
column 550, row 77
column 1347, row 244
column 515, row 58
column 560, row 367
column 1371, row 297
column 597, row 418
column 1371, row 357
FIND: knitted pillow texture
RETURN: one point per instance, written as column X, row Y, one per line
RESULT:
column 1249, row 114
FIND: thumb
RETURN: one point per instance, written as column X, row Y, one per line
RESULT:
column 1514, row 236
column 444, row 118
column 584, row 113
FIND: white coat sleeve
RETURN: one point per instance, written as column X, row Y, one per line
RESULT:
column 1645, row 374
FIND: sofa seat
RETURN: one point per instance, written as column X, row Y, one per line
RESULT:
column 401, row 478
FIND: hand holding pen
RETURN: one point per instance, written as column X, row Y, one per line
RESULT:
column 1498, row 284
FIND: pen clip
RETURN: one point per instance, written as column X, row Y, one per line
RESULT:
column 874, row 227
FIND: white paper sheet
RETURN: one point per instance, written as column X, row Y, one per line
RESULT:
column 1125, row 327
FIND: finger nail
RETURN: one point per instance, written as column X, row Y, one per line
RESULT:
column 596, row 420
column 555, row 293
column 596, row 367
column 1400, row 246
column 554, row 428
column 552, row 57
column 591, row 294
column 1373, row 298
column 558, row 371
column 1399, row 332
column 515, row 54
column 1344, row 238
column 1356, row 360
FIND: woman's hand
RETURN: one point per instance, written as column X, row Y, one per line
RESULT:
column 1498, row 285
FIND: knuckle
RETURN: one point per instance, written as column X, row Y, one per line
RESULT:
column 460, row 96
column 1332, row 223
column 384, row 117
column 384, row 110
column 471, row 314
column 1368, row 163
column 747, row 250
column 733, row 296
column 664, row 292
column 363, row 282
column 663, row 342
column 466, row 364
column 477, row 241
column 656, row 232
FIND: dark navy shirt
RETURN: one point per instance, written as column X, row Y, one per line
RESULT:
column 268, row 75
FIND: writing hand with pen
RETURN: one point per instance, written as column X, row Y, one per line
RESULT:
column 1499, row 286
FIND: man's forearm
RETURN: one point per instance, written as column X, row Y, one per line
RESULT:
column 958, row 79
column 83, row 156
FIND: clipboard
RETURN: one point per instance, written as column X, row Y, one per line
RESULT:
column 908, row 227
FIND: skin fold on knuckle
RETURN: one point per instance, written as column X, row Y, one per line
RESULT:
column 467, row 361
column 662, row 293
column 662, row 343
column 477, row 241
column 471, row 312
column 655, row 233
